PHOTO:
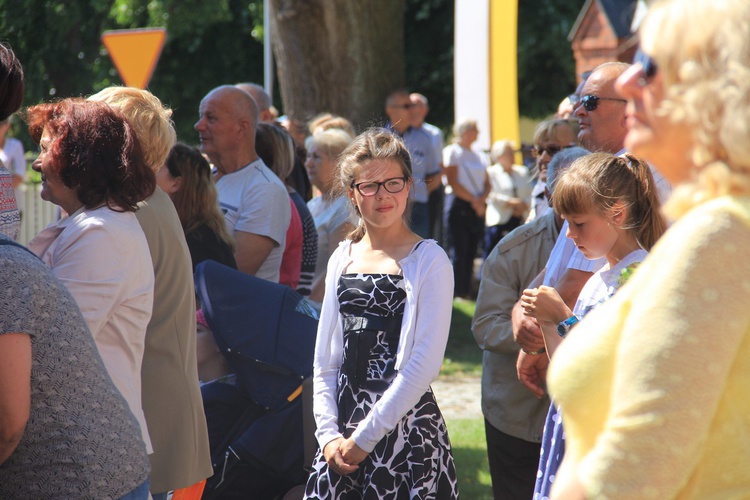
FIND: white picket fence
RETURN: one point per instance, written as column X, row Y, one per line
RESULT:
column 37, row 213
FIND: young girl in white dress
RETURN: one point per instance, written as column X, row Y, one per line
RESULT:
column 612, row 207
column 381, row 340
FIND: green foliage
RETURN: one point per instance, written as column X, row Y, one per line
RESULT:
column 428, row 36
column 208, row 44
column 470, row 454
column 200, row 56
column 462, row 355
column 546, row 67
column 212, row 43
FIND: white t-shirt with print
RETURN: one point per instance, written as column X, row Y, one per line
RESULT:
column 254, row 200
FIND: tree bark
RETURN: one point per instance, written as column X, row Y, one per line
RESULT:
column 338, row 56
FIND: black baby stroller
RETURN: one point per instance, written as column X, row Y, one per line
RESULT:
column 267, row 333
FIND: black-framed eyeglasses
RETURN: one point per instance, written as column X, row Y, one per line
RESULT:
column 647, row 64
column 392, row 185
column 590, row 102
column 408, row 105
column 537, row 151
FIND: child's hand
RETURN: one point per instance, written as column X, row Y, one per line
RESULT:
column 335, row 460
column 544, row 304
column 352, row 453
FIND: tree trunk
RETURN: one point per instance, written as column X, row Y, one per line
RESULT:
column 338, row 56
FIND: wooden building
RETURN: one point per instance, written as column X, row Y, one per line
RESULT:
column 603, row 32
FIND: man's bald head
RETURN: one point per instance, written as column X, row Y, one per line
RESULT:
column 237, row 101
column 226, row 127
column 261, row 98
column 602, row 128
column 419, row 109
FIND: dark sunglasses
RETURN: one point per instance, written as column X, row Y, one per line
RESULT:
column 402, row 106
column 590, row 102
column 648, row 64
column 551, row 151
column 393, row 185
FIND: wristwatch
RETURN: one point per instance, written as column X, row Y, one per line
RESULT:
column 564, row 326
column 535, row 353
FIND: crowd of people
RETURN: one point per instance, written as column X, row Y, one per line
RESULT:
column 610, row 270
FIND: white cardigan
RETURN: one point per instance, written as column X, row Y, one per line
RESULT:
column 428, row 280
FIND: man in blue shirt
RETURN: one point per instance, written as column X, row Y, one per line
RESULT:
column 425, row 165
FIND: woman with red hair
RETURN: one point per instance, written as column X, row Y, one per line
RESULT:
column 92, row 167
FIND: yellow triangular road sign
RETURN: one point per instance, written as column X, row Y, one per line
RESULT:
column 135, row 53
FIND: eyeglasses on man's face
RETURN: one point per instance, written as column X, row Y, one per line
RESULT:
column 538, row 151
column 406, row 105
column 590, row 102
column 392, row 185
column 648, row 65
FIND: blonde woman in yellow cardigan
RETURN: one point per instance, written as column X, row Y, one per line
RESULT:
column 654, row 383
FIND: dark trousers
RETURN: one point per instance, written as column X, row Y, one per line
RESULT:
column 435, row 203
column 466, row 230
column 493, row 234
column 513, row 464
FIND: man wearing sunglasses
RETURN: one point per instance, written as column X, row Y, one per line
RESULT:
column 601, row 116
column 425, row 165
column 601, row 111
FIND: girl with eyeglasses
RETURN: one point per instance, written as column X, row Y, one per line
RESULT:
column 381, row 340
column 654, row 383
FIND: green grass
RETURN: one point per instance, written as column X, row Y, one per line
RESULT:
column 462, row 355
column 464, row 358
column 470, row 455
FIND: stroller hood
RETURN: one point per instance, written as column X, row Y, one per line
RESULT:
column 265, row 330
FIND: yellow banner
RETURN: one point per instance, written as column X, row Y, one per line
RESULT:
column 503, row 74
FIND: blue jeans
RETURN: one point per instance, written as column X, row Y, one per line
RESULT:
column 420, row 219
column 140, row 493
column 160, row 496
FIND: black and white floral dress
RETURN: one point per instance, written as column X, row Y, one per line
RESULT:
column 412, row 461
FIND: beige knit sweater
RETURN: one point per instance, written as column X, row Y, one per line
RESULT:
column 654, row 385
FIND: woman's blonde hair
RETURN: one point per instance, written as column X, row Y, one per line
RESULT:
column 332, row 142
column 595, row 183
column 499, row 148
column 275, row 147
column 327, row 121
column 462, row 126
column 373, row 144
column 547, row 130
column 701, row 49
column 151, row 120
column 196, row 200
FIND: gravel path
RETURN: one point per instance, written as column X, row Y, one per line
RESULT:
column 458, row 397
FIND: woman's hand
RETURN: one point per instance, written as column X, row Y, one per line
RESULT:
column 334, row 459
column 544, row 304
column 518, row 206
column 352, row 453
column 479, row 205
